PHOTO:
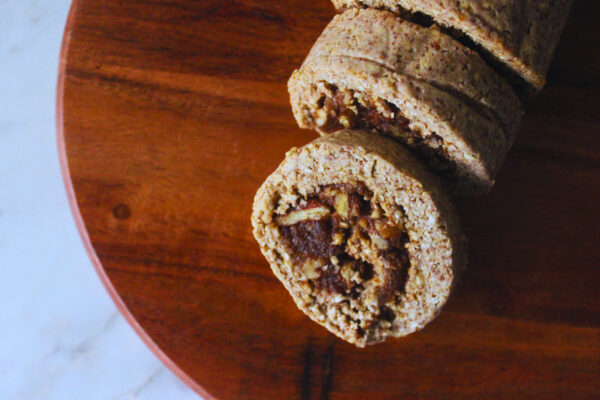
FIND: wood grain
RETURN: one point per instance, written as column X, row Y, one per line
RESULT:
column 170, row 115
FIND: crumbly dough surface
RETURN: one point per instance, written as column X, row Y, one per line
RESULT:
column 426, row 55
column 522, row 34
column 406, row 196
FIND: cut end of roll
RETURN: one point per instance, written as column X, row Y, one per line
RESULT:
column 361, row 235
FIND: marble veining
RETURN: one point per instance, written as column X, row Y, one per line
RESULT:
column 61, row 336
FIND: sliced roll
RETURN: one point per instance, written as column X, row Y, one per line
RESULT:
column 519, row 36
column 370, row 69
column 361, row 234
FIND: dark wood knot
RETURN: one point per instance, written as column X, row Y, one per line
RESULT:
column 121, row 211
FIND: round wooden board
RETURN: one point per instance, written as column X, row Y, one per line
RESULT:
column 171, row 114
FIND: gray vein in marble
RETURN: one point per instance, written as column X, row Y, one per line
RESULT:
column 84, row 346
column 136, row 391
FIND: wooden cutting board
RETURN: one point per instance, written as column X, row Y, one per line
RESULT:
column 171, row 114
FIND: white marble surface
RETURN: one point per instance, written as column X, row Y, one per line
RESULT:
column 61, row 336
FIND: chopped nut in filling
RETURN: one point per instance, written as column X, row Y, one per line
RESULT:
column 348, row 254
column 339, row 108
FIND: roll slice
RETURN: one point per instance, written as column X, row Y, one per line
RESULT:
column 361, row 234
column 370, row 69
column 519, row 36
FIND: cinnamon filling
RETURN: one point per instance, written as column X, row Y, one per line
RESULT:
column 346, row 108
column 347, row 111
column 327, row 235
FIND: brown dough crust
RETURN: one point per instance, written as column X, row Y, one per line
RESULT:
column 522, row 34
